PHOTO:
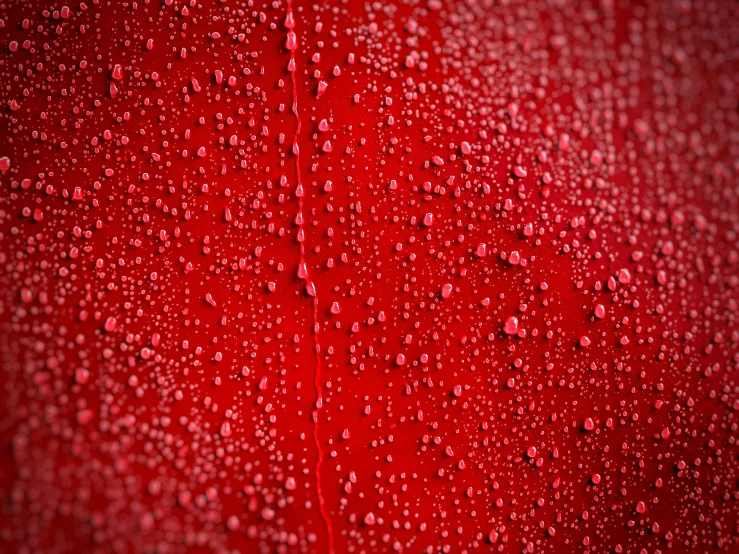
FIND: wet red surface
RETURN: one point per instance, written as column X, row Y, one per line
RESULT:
column 414, row 276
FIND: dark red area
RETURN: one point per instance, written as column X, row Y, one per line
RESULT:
column 338, row 276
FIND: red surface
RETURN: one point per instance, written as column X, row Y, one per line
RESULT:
column 220, row 334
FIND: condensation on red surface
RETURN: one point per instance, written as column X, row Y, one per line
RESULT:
column 413, row 276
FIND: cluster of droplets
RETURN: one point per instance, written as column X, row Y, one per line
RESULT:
column 435, row 276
